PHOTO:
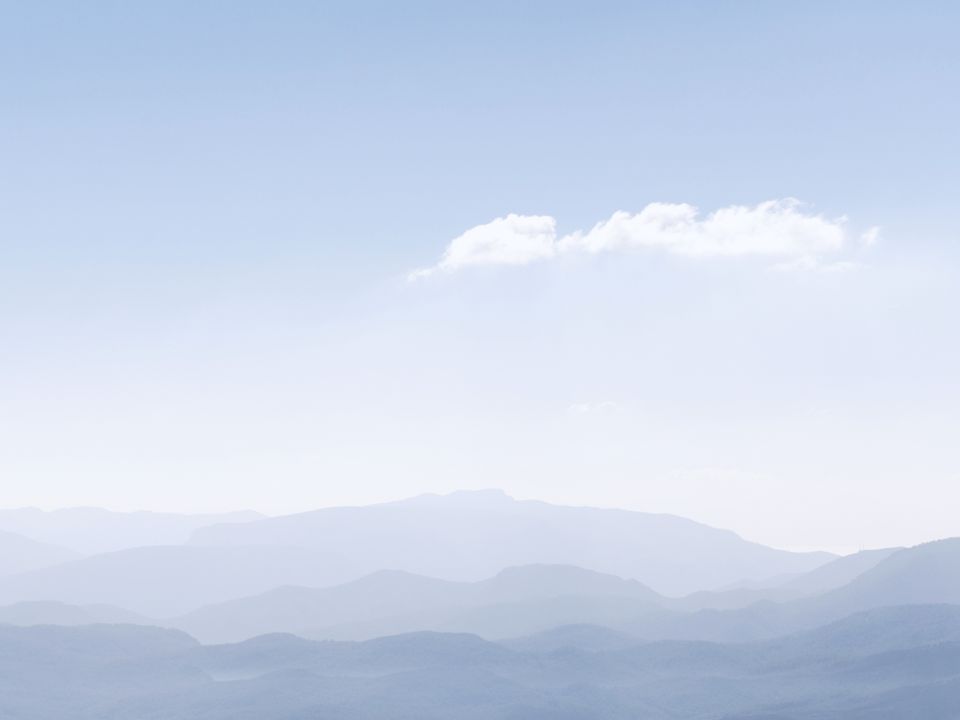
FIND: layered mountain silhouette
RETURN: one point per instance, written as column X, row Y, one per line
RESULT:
column 516, row 601
column 169, row 580
column 470, row 536
column 20, row 554
column 892, row 663
column 829, row 576
column 255, row 583
column 531, row 599
column 921, row 575
column 88, row 531
column 57, row 613
column 793, row 637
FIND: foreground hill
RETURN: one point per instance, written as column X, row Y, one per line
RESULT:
column 888, row 663
column 516, row 601
column 89, row 531
column 20, row 554
column 469, row 536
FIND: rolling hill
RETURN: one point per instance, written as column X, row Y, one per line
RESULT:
column 891, row 663
column 515, row 601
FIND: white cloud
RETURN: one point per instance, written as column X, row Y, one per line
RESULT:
column 808, row 263
column 510, row 240
column 780, row 229
column 776, row 227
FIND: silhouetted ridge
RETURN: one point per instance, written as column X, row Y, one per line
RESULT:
column 469, row 536
column 21, row 554
column 515, row 601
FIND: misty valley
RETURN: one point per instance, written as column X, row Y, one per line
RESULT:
column 467, row 605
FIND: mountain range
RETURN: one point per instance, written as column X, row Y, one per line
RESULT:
column 582, row 615
column 88, row 530
column 303, row 574
column 465, row 537
column 516, row 601
column 891, row 664
column 168, row 580
column 529, row 599
column 21, row 554
column 471, row 536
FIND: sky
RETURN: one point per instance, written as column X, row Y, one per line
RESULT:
column 694, row 258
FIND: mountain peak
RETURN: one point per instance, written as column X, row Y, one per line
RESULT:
column 483, row 498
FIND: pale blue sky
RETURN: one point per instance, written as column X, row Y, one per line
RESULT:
column 208, row 211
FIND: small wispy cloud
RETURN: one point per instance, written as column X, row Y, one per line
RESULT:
column 870, row 238
column 777, row 229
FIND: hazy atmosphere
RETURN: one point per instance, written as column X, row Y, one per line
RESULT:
column 211, row 213
column 602, row 356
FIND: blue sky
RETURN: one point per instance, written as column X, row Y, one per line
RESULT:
column 208, row 212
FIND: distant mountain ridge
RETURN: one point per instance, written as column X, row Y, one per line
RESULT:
column 238, row 580
column 57, row 613
column 872, row 635
column 88, row 530
column 21, row 554
column 165, row 581
column 827, row 577
column 918, row 575
column 927, row 574
column 470, row 536
column 532, row 599
column 515, row 601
